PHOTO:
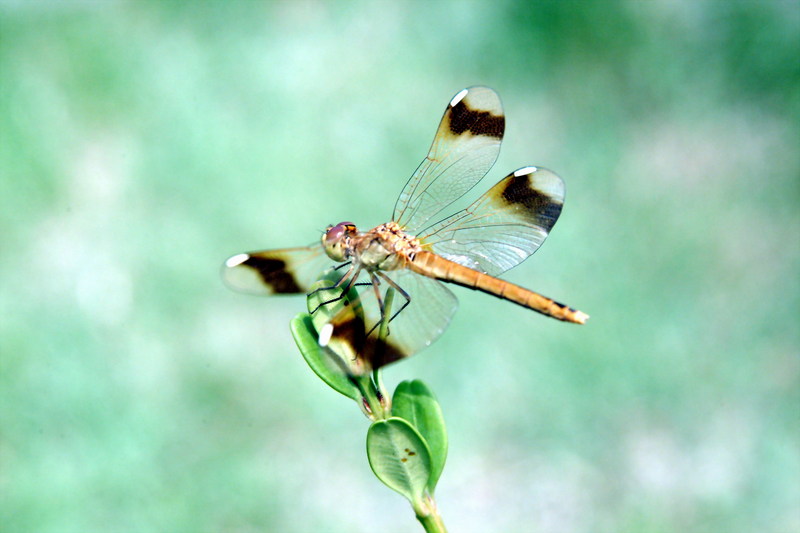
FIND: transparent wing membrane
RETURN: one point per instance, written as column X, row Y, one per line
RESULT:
column 504, row 226
column 282, row 271
column 465, row 147
column 420, row 311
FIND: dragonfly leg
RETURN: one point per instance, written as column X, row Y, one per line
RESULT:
column 342, row 265
column 376, row 286
column 338, row 283
column 400, row 290
column 350, row 276
column 395, row 286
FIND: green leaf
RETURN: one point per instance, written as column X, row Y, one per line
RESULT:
column 414, row 402
column 399, row 457
column 319, row 359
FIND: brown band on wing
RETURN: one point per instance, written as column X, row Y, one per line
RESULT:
column 351, row 330
column 274, row 274
column 382, row 353
column 463, row 118
column 544, row 208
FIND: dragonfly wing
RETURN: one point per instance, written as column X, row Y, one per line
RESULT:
column 465, row 147
column 504, row 226
column 283, row 271
column 355, row 330
column 427, row 315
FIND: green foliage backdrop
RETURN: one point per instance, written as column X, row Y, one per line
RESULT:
column 144, row 142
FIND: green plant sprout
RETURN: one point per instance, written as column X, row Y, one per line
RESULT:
column 407, row 440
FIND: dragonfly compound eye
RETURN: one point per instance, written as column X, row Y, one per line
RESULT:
column 333, row 240
column 337, row 232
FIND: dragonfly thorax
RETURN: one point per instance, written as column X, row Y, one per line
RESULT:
column 371, row 253
column 386, row 247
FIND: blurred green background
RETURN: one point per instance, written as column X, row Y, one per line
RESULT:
column 144, row 142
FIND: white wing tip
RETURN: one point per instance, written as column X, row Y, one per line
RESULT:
column 525, row 170
column 236, row 260
column 325, row 334
column 457, row 98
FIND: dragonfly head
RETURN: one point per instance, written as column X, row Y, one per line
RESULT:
column 336, row 240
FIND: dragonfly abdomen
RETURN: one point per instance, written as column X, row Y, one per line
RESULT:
column 435, row 266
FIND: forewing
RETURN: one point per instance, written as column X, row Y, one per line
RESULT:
column 504, row 226
column 283, row 271
column 357, row 334
column 466, row 146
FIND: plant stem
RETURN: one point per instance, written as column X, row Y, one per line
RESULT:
column 368, row 391
column 377, row 376
column 386, row 400
column 386, row 314
column 429, row 517
column 432, row 523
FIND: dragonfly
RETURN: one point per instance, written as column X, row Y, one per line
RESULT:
column 418, row 252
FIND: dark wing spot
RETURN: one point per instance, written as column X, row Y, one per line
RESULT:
column 463, row 118
column 351, row 329
column 543, row 208
column 274, row 274
column 348, row 328
column 382, row 353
